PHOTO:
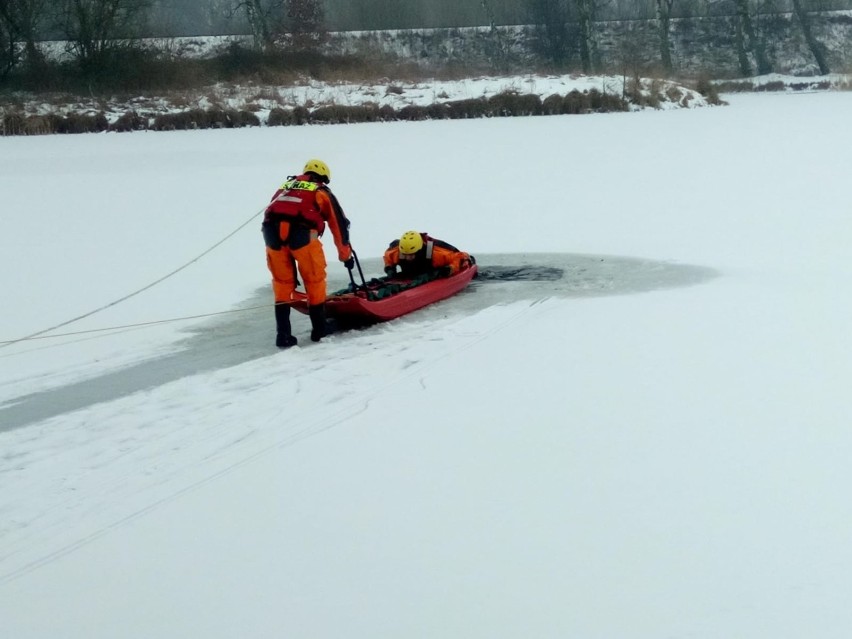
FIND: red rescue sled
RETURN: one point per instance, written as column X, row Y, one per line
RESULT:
column 373, row 302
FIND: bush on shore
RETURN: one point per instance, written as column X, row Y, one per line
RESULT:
column 506, row 104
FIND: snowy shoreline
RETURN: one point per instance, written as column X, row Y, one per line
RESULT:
column 253, row 104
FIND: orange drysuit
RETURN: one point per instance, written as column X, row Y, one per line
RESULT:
column 434, row 254
column 294, row 221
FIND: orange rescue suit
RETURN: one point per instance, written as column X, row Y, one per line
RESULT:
column 293, row 223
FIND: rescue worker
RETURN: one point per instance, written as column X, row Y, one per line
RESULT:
column 293, row 223
column 417, row 254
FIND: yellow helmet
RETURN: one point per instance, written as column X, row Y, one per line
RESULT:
column 319, row 167
column 410, row 243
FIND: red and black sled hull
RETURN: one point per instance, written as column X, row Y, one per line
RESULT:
column 357, row 307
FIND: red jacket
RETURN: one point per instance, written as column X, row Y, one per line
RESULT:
column 304, row 203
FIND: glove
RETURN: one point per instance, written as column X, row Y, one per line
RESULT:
column 390, row 271
column 350, row 263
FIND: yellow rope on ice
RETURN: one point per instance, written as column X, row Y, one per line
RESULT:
column 37, row 334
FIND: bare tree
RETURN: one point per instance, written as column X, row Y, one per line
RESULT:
column 97, row 28
column 664, row 15
column 586, row 16
column 216, row 15
column 8, row 48
column 815, row 47
column 265, row 18
column 305, row 24
column 497, row 46
column 747, row 41
column 741, row 48
column 298, row 23
column 489, row 12
column 551, row 20
column 19, row 24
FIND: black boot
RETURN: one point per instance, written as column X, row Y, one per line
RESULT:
column 320, row 326
column 284, row 338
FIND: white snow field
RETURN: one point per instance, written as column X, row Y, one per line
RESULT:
column 652, row 441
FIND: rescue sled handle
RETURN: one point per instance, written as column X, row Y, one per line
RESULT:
column 356, row 286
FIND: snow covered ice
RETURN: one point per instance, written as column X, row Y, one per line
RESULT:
column 657, row 444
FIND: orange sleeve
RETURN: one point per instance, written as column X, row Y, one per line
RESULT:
column 344, row 251
column 443, row 257
column 392, row 256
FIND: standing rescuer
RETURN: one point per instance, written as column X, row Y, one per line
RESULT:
column 293, row 223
